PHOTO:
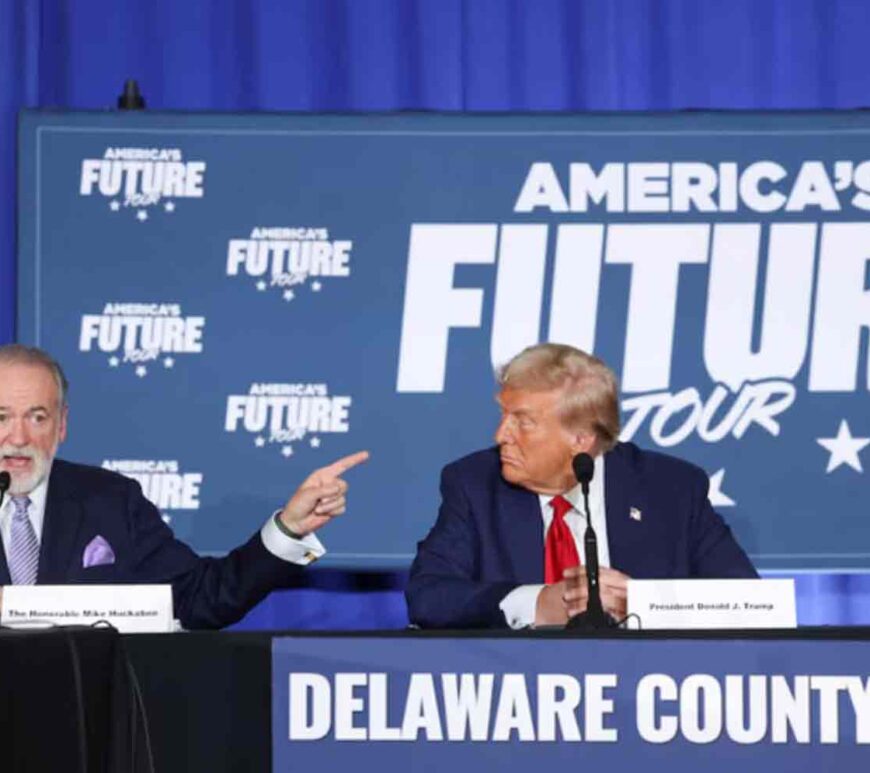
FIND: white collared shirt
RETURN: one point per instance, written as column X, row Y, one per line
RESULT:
column 302, row 551
column 519, row 605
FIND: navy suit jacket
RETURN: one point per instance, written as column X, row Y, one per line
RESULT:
column 489, row 538
column 85, row 502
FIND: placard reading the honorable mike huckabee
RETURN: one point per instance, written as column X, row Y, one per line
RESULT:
column 519, row 704
column 129, row 608
column 251, row 297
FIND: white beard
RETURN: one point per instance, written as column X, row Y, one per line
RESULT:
column 24, row 482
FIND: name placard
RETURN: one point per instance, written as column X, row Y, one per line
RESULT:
column 129, row 608
column 713, row 603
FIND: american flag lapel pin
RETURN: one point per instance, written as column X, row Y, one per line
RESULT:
column 635, row 514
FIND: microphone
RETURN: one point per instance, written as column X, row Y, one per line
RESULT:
column 5, row 483
column 594, row 617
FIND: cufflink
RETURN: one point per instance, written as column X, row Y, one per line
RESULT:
column 635, row 514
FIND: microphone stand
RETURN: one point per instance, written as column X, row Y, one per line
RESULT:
column 594, row 618
column 5, row 483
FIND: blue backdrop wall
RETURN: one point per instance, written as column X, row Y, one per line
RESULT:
column 445, row 55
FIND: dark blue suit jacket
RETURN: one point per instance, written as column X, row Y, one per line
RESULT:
column 489, row 539
column 86, row 502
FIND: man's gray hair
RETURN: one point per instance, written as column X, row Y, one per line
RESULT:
column 590, row 399
column 30, row 355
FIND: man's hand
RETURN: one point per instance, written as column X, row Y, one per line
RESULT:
column 321, row 497
column 550, row 608
column 613, row 585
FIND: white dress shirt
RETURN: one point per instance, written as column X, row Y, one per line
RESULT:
column 296, row 551
column 519, row 605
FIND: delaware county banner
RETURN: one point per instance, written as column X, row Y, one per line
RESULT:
column 239, row 299
column 499, row 704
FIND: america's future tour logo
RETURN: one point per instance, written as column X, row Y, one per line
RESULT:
column 136, row 179
column 287, row 259
column 144, row 336
column 279, row 415
column 787, row 302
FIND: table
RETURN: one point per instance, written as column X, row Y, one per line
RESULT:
column 209, row 696
column 65, row 702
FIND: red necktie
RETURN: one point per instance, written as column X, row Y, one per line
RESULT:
column 560, row 550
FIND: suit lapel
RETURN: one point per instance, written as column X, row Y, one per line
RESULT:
column 5, row 579
column 63, row 519
column 522, row 525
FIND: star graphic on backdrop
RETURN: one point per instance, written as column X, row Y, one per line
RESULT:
column 287, row 452
column 169, row 206
column 114, row 205
column 141, row 215
column 114, row 362
column 844, row 448
column 289, row 295
column 141, row 371
column 259, row 441
column 261, row 285
column 315, row 286
column 168, row 362
column 315, row 442
column 717, row 497
column 166, row 518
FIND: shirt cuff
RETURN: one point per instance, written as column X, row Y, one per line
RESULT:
column 519, row 606
column 297, row 551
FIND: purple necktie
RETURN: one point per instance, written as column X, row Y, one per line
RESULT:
column 23, row 545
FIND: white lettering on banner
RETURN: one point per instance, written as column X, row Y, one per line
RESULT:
column 674, row 417
column 284, row 257
column 432, row 304
column 655, row 254
column 751, row 709
column 355, row 707
column 141, row 177
column 162, row 481
column 171, row 492
column 686, row 186
column 285, row 413
column 277, row 258
column 313, row 414
column 140, row 333
column 728, row 348
column 842, row 308
column 699, row 708
column 519, row 289
column 467, row 702
column 754, row 345
column 149, row 179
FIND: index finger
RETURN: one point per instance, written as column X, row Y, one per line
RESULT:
column 344, row 464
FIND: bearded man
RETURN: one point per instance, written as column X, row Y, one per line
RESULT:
column 70, row 523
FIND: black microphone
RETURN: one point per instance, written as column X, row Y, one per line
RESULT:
column 5, row 483
column 594, row 617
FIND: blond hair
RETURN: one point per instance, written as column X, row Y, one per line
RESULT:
column 589, row 390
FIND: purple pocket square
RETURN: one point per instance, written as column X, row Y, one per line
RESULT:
column 98, row 552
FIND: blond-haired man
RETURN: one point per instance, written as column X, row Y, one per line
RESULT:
column 507, row 547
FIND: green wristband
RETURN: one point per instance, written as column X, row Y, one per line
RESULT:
column 284, row 530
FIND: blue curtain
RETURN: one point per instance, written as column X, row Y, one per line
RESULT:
column 456, row 55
